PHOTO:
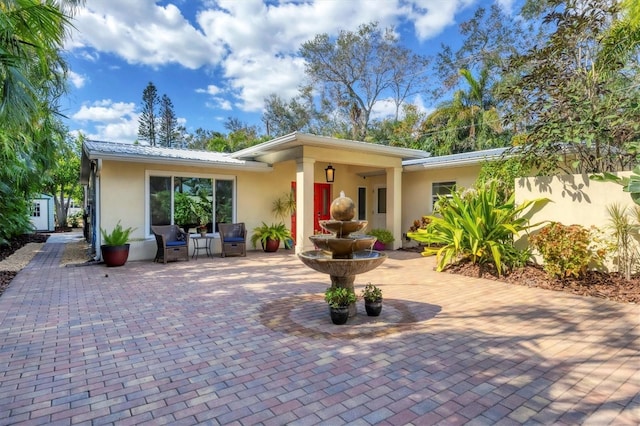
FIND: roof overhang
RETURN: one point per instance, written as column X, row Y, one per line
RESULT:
column 93, row 150
column 293, row 141
column 454, row 160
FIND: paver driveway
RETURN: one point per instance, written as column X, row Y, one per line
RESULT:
column 249, row 341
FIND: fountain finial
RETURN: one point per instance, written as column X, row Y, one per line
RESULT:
column 343, row 208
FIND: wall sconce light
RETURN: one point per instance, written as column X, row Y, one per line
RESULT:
column 329, row 173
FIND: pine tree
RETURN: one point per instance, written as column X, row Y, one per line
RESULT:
column 147, row 123
column 168, row 131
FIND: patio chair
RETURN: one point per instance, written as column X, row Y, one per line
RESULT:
column 173, row 243
column 233, row 238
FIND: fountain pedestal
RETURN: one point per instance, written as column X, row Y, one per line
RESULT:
column 342, row 255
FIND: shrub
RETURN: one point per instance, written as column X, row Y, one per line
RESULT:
column 117, row 237
column 383, row 235
column 477, row 226
column 625, row 224
column 567, row 250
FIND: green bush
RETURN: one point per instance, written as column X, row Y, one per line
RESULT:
column 383, row 235
column 567, row 250
column 118, row 237
column 476, row 225
column 338, row 297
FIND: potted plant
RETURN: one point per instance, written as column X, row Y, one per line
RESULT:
column 270, row 236
column 372, row 296
column 339, row 299
column 383, row 237
column 115, row 250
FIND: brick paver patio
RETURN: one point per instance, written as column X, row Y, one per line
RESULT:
column 249, row 341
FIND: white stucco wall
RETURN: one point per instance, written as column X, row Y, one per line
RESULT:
column 575, row 199
column 417, row 185
column 123, row 193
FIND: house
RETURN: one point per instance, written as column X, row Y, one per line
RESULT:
column 391, row 187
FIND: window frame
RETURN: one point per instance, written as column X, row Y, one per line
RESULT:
column 450, row 185
column 173, row 174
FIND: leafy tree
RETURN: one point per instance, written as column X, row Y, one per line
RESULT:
column 403, row 132
column 168, row 131
column 148, row 121
column 580, row 114
column 61, row 181
column 297, row 115
column 490, row 38
column 32, row 74
column 201, row 138
column 354, row 71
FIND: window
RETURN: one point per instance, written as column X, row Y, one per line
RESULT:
column 382, row 200
column 35, row 209
column 189, row 200
column 443, row 189
column 362, row 203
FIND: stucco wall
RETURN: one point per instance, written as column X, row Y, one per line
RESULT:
column 575, row 199
column 417, row 194
column 123, row 196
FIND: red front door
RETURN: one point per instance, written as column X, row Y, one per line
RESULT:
column 321, row 206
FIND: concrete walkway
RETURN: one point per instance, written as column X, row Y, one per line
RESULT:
column 249, row 341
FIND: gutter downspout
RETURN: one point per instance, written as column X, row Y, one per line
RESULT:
column 98, row 238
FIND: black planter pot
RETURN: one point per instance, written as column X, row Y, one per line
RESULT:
column 339, row 315
column 115, row 255
column 373, row 308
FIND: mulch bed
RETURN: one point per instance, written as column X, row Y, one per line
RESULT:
column 610, row 286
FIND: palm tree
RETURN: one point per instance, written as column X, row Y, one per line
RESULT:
column 467, row 122
column 32, row 78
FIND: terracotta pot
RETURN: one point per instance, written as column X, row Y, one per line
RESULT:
column 115, row 255
column 271, row 245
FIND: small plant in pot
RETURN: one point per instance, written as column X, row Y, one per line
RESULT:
column 270, row 236
column 115, row 250
column 339, row 299
column 372, row 296
column 383, row 237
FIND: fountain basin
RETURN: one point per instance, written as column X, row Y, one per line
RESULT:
column 343, row 248
column 361, row 262
column 342, row 228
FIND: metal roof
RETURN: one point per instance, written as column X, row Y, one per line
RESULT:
column 453, row 160
column 159, row 155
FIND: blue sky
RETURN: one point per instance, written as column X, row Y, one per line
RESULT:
column 220, row 58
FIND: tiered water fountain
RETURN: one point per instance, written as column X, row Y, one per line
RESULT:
column 340, row 254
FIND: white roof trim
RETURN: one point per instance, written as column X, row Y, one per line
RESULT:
column 300, row 139
column 453, row 160
column 162, row 155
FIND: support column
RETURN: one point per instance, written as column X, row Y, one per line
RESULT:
column 394, row 204
column 304, row 203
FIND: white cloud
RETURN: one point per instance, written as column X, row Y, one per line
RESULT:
column 210, row 90
column 76, row 79
column 108, row 120
column 252, row 43
column 142, row 32
column 430, row 17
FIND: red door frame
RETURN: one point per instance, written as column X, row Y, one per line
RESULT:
column 321, row 206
